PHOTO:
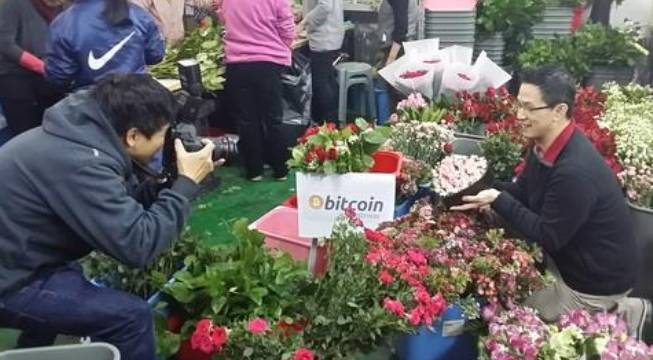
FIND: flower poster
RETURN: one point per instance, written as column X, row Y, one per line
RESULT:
column 321, row 199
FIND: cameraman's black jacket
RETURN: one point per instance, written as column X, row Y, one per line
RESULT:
column 67, row 188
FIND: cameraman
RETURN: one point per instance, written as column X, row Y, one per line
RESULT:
column 68, row 188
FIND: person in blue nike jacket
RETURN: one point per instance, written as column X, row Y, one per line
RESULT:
column 94, row 38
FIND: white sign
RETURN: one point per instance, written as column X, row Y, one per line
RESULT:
column 321, row 199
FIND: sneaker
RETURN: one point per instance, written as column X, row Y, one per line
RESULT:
column 281, row 179
column 256, row 178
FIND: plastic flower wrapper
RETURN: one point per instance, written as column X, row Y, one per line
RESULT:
column 415, row 76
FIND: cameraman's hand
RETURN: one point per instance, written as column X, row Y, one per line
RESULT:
column 196, row 165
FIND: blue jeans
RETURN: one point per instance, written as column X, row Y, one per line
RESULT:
column 64, row 302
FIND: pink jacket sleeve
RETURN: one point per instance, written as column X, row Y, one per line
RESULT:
column 285, row 21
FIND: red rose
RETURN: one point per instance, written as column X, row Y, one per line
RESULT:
column 332, row 154
column 257, row 326
column 303, row 354
column 204, row 326
column 174, row 322
column 310, row 157
column 331, row 126
column 219, row 337
column 321, row 154
column 491, row 92
column 448, row 148
column 354, row 129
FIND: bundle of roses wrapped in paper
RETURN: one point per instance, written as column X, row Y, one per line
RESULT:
column 519, row 334
column 460, row 175
column 432, row 71
column 452, row 256
column 329, row 150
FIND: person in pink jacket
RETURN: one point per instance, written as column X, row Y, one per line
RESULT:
column 258, row 38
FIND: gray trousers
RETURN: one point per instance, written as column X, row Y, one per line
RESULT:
column 558, row 298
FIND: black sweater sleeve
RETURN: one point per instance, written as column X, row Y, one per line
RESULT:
column 9, row 24
column 567, row 204
column 400, row 14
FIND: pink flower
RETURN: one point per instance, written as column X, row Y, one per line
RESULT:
column 416, row 257
column 394, row 307
column 386, row 278
column 204, row 326
column 202, row 342
column 219, row 337
column 303, row 354
column 257, row 326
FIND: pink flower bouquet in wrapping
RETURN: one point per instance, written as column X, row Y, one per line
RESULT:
column 460, row 175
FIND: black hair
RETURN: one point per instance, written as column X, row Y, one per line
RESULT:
column 556, row 85
column 135, row 101
column 116, row 12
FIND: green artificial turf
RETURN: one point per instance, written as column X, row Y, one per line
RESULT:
column 214, row 212
column 235, row 198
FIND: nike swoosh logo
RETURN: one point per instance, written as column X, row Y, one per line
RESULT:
column 98, row 63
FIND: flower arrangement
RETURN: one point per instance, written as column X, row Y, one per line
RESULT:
column 453, row 256
column 518, row 333
column 415, row 107
column 424, row 141
column 473, row 112
column 328, row 150
column 458, row 172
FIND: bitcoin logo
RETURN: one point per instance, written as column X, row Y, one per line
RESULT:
column 315, row 202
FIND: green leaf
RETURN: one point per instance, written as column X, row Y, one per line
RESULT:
column 218, row 304
column 248, row 352
column 330, row 167
column 368, row 161
column 361, row 123
column 257, row 295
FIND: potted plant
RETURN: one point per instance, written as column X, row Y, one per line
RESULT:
column 595, row 54
column 501, row 21
column 519, row 333
column 613, row 53
column 503, row 153
column 629, row 113
column 454, row 257
column 470, row 114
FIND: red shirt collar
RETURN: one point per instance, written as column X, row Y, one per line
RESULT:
column 551, row 154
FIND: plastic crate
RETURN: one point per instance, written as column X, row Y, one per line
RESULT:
column 281, row 228
column 92, row 351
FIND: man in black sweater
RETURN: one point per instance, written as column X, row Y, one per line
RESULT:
column 568, row 201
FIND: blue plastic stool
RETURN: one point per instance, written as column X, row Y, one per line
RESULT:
column 444, row 342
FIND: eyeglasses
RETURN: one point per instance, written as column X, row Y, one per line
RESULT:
column 521, row 106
